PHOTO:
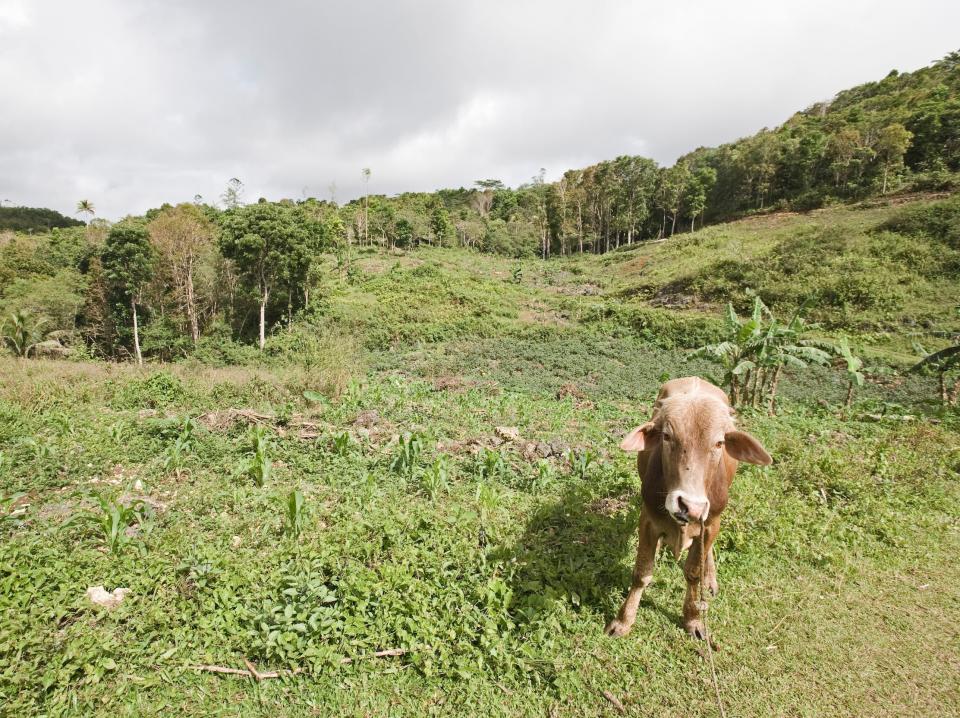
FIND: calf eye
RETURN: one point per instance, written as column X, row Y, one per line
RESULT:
column 719, row 445
column 667, row 437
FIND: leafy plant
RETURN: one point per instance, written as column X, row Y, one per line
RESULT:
column 21, row 333
column 257, row 464
column 435, row 478
column 581, row 461
column 408, row 455
column 115, row 519
column 342, row 443
column 295, row 514
column 490, row 464
column 757, row 349
column 853, row 366
column 176, row 453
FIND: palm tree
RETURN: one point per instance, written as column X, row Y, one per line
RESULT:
column 20, row 334
column 86, row 207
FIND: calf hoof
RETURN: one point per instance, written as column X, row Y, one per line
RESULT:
column 617, row 628
column 696, row 629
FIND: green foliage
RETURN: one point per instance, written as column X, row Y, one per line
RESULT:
column 128, row 258
column 116, row 521
column 407, row 456
column 295, row 514
column 435, row 480
column 21, row 333
column 258, row 465
column 34, row 219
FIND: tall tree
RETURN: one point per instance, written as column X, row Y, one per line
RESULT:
column 267, row 243
column 128, row 263
column 183, row 237
column 86, row 207
column 892, row 144
column 233, row 195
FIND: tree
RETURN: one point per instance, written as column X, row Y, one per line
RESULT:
column 269, row 243
column 440, row 223
column 128, row 263
column 892, row 144
column 233, row 195
column 365, row 173
column 21, row 333
column 183, row 236
column 86, row 207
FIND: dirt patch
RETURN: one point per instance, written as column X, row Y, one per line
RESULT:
column 610, row 505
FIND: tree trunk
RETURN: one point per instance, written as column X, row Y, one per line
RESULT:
column 849, row 401
column 191, row 305
column 884, row 190
column 306, row 298
column 673, row 226
column 943, row 388
column 734, row 390
column 745, row 387
column 773, row 390
column 136, row 331
column 263, row 318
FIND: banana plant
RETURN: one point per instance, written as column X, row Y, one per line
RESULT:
column 853, row 365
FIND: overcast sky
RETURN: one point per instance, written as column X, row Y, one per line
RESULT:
column 133, row 103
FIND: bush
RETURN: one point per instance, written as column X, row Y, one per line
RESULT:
column 938, row 220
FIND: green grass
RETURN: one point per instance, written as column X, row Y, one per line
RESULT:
column 498, row 583
column 393, row 514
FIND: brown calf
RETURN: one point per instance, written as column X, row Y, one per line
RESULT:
column 688, row 454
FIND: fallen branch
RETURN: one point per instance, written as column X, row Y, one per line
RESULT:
column 251, row 671
column 615, row 701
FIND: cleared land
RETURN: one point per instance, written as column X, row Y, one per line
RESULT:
column 493, row 561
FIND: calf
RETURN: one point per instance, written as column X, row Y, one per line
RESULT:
column 688, row 454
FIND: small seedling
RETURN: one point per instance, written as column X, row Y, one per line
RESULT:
column 435, row 478
column 544, row 475
column 581, row 461
column 114, row 519
column 295, row 514
column 342, row 443
column 408, row 454
column 259, row 465
column 490, row 464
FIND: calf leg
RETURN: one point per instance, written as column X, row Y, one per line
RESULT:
column 642, row 576
column 692, row 620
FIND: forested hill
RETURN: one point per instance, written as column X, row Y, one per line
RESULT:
column 33, row 219
column 899, row 133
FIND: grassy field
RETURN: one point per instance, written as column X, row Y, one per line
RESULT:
column 492, row 557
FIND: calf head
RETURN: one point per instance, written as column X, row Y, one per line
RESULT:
column 691, row 433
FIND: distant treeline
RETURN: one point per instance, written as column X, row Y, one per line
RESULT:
column 33, row 219
column 902, row 132
column 200, row 272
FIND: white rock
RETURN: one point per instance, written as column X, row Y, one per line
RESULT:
column 138, row 485
column 236, row 541
column 99, row 596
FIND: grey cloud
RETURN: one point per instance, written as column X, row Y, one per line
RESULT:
column 131, row 104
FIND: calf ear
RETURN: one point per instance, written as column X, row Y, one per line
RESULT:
column 639, row 438
column 743, row 447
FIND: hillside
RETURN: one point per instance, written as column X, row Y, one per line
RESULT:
column 426, row 464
